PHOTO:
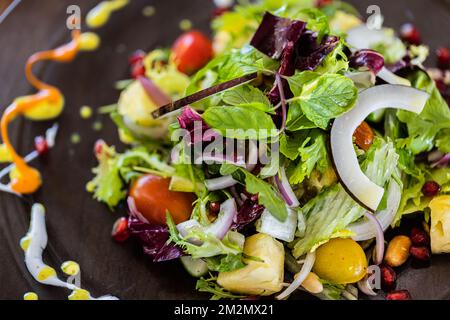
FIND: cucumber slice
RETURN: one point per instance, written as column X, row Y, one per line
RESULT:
column 195, row 267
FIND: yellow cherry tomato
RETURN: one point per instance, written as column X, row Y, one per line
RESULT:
column 340, row 261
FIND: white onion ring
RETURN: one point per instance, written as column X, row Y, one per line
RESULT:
column 219, row 228
column 220, row 183
column 361, row 188
column 364, row 230
column 391, row 78
column 364, row 286
column 301, row 276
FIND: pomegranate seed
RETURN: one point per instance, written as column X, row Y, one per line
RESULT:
column 41, row 145
column 443, row 56
column 138, row 70
column 98, row 147
column 136, row 57
column 442, row 87
column 431, row 188
column 419, row 237
column 410, row 34
column 420, row 253
column 388, row 277
column 398, row 295
column 214, row 207
column 120, row 231
column 220, row 11
column 254, row 198
column 323, row 3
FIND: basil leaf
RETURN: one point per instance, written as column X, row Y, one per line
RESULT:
column 268, row 196
column 324, row 98
column 238, row 122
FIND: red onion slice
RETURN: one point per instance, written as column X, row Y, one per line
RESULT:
column 379, row 237
column 301, row 276
column 154, row 93
column 134, row 211
column 361, row 188
column 286, row 189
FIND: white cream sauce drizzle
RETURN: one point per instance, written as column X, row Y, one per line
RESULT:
column 34, row 244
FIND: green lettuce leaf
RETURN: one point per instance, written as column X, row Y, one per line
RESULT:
column 328, row 214
column 423, row 128
column 240, row 122
column 313, row 154
column 224, row 263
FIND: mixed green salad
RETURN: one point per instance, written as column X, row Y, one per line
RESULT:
column 275, row 157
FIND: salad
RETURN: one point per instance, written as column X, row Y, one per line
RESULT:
column 284, row 154
column 275, row 157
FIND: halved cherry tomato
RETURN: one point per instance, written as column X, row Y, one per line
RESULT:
column 191, row 51
column 153, row 199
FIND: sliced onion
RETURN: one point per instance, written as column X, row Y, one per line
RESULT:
column 392, row 78
column 219, row 228
column 252, row 159
column 270, row 225
column 208, row 159
column 279, row 83
column 361, row 37
column 134, row 211
column 363, row 190
column 443, row 162
column 435, row 156
column 379, row 237
column 301, row 276
column 364, row 229
column 362, row 79
column 220, row 183
column 286, row 189
column 154, row 93
column 365, row 287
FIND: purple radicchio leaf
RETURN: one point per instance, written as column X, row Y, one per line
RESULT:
column 368, row 59
column 274, row 33
column 310, row 54
column 192, row 121
column 248, row 213
column 154, row 240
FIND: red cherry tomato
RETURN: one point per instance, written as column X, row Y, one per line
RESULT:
column 191, row 51
column 153, row 199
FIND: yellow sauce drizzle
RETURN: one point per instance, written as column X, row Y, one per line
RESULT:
column 100, row 14
column 71, row 268
column 89, row 41
column 80, row 294
column 30, row 296
column 45, row 273
column 25, row 242
column 46, row 104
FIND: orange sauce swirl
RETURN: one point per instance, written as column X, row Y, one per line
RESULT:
column 26, row 179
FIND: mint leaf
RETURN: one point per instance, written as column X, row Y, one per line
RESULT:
column 323, row 98
column 240, row 122
column 268, row 196
column 245, row 94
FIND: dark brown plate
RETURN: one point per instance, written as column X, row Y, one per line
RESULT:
column 79, row 227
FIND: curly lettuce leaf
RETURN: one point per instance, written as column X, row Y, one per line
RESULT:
column 423, row 128
column 328, row 214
